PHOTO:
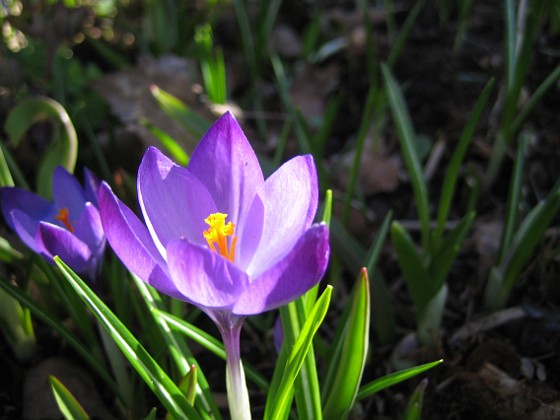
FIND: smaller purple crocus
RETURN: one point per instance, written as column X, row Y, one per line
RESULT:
column 220, row 236
column 69, row 227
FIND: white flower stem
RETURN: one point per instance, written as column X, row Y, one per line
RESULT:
column 238, row 396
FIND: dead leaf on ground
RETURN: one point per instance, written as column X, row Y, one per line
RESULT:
column 311, row 89
column 379, row 173
column 128, row 94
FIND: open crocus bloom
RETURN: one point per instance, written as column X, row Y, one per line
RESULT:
column 69, row 227
column 217, row 234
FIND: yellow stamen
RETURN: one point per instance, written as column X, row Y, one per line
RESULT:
column 63, row 216
column 216, row 235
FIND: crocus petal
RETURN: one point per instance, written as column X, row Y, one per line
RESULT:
column 173, row 201
column 37, row 208
column 284, row 206
column 68, row 193
column 90, row 230
column 91, row 186
column 226, row 164
column 292, row 276
column 61, row 242
column 132, row 242
column 26, row 228
column 204, row 277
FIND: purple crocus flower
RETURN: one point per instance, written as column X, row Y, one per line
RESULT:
column 69, row 227
column 218, row 235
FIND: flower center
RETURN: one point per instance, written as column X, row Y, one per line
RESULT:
column 216, row 235
column 62, row 216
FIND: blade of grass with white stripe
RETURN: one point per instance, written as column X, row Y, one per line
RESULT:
column 180, row 352
column 154, row 376
column 350, row 351
column 67, row 403
column 306, row 386
column 211, row 344
column 281, row 391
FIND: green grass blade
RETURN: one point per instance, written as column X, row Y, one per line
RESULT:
column 407, row 140
column 154, row 376
column 16, row 325
column 304, row 142
column 306, row 386
column 400, row 41
column 63, row 149
column 327, row 122
column 15, row 172
column 246, row 36
column 463, row 20
column 454, row 167
column 358, row 149
column 7, row 253
column 529, row 234
column 190, row 385
column 550, row 81
column 279, row 406
column 415, row 404
column 178, row 349
column 67, row 403
column 441, row 263
column 211, row 344
column 514, row 198
column 345, row 372
column 180, row 112
column 177, row 153
column 510, row 41
column 6, row 179
column 327, row 208
column 382, row 309
column 414, row 271
column 393, row 379
column 370, row 261
column 345, row 246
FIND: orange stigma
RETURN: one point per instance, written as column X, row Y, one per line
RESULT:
column 62, row 216
column 216, row 235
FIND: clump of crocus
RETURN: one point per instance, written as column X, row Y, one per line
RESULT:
column 221, row 237
column 69, row 226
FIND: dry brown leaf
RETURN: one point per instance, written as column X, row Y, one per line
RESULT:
column 128, row 94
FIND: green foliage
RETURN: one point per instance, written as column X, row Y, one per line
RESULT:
column 292, row 357
column 211, row 64
column 154, row 376
column 426, row 271
column 521, row 32
column 349, row 352
column 67, row 403
column 63, row 149
column 415, row 403
column 180, row 112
